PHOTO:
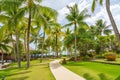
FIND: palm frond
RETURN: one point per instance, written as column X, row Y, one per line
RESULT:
column 67, row 25
column 101, row 2
column 93, row 5
column 3, row 18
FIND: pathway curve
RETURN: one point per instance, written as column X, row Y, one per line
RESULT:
column 61, row 73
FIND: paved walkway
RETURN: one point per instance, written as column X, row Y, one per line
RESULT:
column 61, row 73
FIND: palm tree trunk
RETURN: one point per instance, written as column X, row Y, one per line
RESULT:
column 2, row 56
column 36, row 44
column 13, row 45
column 25, row 33
column 42, row 46
column 75, row 55
column 56, row 46
column 28, row 36
column 112, row 21
column 17, row 48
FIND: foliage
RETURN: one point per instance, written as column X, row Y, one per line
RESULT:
column 87, row 76
column 64, row 61
column 118, row 78
column 110, row 56
column 103, row 76
column 35, row 52
column 73, row 59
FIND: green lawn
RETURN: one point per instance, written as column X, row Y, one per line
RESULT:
column 111, row 71
column 37, row 71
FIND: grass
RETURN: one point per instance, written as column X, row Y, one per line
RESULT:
column 93, row 69
column 117, row 61
column 37, row 71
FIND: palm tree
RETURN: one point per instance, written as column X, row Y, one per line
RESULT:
column 67, row 34
column 13, row 14
column 34, row 10
column 110, row 17
column 102, row 28
column 47, row 23
column 76, row 18
column 4, row 41
column 56, row 33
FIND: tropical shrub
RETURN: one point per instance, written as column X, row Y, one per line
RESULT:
column 64, row 61
column 73, row 59
column 118, row 78
column 103, row 76
column 87, row 76
column 86, row 58
column 100, row 56
column 110, row 56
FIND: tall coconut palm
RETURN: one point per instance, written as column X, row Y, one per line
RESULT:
column 102, row 28
column 12, row 15
column 75, row 17
column 56, row 33
column 34, row 10
column 67, row 45
column 4, row 41
column 47, row 23
column 110, row 17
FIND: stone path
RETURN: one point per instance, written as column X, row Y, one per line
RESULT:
column 61, row 73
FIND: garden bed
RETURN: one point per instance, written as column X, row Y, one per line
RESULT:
column 117, row 62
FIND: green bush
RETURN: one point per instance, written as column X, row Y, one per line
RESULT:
column 103, row 76
column 87, row 76
column 110, row 56
column 100, row 56
column 86, row 58
column 118, row 78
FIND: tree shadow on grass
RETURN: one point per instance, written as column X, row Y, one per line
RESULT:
column 14, row 74
column 20, row 78
column 19, row 73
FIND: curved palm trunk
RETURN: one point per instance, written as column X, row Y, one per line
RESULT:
column 75, row 55
column 28, row 36
column 17, row 48
column 42, row 47
column 112, row 21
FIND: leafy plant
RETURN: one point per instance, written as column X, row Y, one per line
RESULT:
column 103, row 77
column 118, row 78
column 110, row 56
column 87, row 76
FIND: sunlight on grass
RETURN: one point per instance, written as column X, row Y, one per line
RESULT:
column 37, row 71
column 94, row 69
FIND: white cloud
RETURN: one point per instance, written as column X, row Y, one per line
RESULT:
column 102, row 14
column 62, row 12
column 115, row 9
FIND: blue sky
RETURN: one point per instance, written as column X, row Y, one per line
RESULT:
column 100, row 12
